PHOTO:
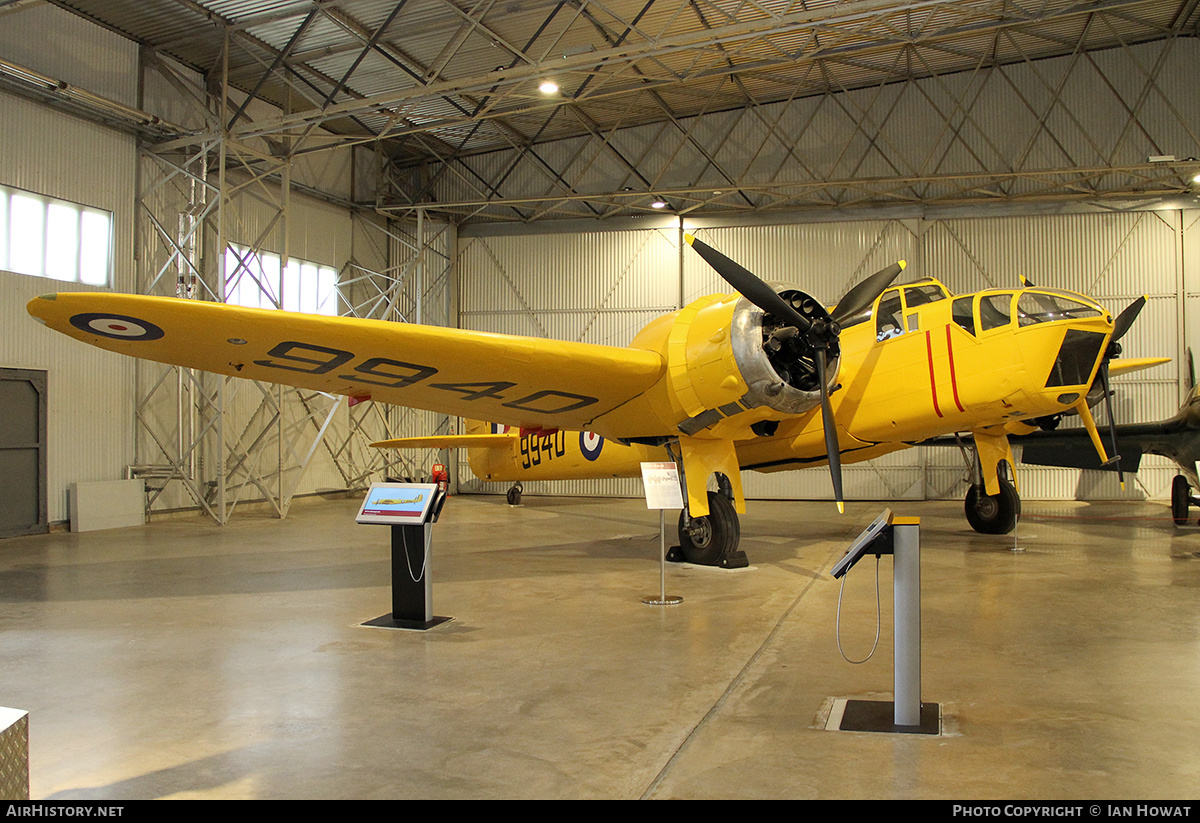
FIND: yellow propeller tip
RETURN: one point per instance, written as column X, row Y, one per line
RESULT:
column 688, row 238
column 841, row 507
column 903, row 264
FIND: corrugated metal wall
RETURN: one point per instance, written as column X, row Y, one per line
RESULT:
column 604, row 286
column 90, row 426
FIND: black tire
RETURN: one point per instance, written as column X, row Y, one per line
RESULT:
column 712, row 537
column 514, row 496
column 1181, row 499
column 993, row 514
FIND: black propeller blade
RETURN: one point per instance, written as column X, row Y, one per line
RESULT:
column 1121, row 325
column 749, row 286
column 832, row 450
column 862, row 295
column 1125, row 320
column 819, row 335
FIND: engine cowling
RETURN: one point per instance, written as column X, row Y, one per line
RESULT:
column 732, row 366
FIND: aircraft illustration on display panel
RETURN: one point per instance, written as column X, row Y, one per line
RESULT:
column 757, row 379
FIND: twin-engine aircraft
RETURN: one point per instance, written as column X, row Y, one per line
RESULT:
column 755, row 379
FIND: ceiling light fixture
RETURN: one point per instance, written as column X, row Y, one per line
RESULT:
column 659, row 204
column 548, row 87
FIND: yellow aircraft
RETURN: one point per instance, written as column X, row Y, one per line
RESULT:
column 755, row 379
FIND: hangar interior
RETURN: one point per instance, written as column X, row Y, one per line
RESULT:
column 400, row 161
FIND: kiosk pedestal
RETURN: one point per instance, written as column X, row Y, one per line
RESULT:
column 901, row 538
column 410, row 510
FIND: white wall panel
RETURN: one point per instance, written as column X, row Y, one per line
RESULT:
column 90, row 398
column 50, row 153
column 67, row 47
column 90, row 391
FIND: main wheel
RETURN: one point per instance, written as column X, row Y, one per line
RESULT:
column 1181, row 499
column 993, row 514
column 514, row 495
column 711, row 537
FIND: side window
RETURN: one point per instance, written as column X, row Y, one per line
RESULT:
column 994, row 311
column 889, row 323
column 960, row 311
column 46, row 237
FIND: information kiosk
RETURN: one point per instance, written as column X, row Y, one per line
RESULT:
column 410, row 509
column 901, row 538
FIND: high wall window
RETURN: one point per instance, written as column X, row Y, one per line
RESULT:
column 256, row 280
column 53, row 238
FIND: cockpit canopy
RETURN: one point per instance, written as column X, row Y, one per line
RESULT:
column 996, row 309
column 975, row 313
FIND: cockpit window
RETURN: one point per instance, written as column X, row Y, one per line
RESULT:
column 920, row 295
column 994, row 310
column 960, row 312
column 1033, row 307
column 889, row 322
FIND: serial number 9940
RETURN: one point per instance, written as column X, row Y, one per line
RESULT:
column 538, row 447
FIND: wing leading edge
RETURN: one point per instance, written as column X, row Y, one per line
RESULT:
column 520, row 381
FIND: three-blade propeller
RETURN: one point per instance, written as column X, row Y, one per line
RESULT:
column 819, row 332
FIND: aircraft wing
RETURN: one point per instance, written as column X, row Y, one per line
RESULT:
column 1126, row 365
column 448, row 441
column 1071, row 448
column 520, row 381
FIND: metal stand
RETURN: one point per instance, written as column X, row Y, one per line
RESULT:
column 902, row 539
column 663, row 599
column 906, row 612
column 412, row 582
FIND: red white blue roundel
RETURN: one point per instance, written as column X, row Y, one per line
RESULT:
column 500, row 428
column 116, row 326
column 590, row 444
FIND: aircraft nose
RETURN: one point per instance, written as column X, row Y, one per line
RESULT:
column 1077, row 358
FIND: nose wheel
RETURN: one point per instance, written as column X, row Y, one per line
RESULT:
column 514, row 495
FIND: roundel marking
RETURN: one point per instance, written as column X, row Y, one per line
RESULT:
column 590, row 444
column 500, row 428
column 116, row 326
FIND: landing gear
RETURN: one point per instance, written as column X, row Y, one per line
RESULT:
column 712, row 540
column 993, row 514
column 514, row 495
column 1181, row 499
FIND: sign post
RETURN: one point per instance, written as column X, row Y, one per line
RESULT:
column 662, row 492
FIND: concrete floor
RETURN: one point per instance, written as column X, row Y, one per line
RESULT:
column 186, row 660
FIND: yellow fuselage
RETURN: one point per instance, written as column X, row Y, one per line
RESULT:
column 930, row 376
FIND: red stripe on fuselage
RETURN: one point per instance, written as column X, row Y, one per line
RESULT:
column 953, row 378
column 932, row 376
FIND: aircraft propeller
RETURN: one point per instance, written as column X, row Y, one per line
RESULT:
column 820, row 332
column 1121, row 325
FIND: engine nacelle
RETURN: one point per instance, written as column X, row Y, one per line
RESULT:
column 732, row 366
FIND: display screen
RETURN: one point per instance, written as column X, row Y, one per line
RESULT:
column 397, row 503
